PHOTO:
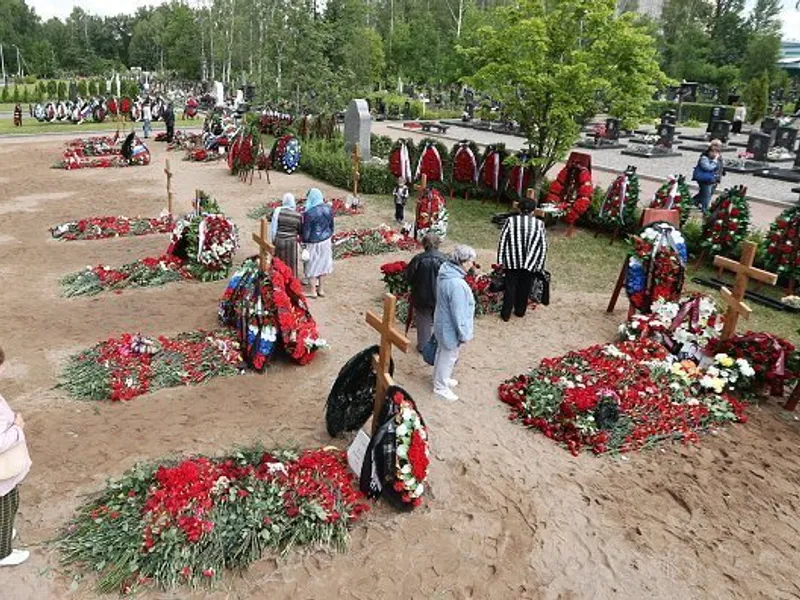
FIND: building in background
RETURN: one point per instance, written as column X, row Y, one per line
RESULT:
column 790, row 57
column 650, row 8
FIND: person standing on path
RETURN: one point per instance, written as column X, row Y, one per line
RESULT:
column 400, row 195
column 284, row 232
column 14, row 464
column 739, row 115
column 147, row 118
column 421, row 274
column 522, row 252
column 453, row 319
column 708, row 173
column 317, row 234
column 169, row 121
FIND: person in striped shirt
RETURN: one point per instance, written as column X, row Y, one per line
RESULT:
column 522, row 252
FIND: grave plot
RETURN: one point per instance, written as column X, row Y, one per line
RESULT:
column 342, row 207
column 362, row 242
column 658, row 146
column 104, row 152
column 604, row 136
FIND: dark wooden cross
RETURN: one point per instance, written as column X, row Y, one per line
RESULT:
column 744, row 272
column 265, row 249
column 423, row 185
column 390, row 336
column 356, row 174
column 168, row 173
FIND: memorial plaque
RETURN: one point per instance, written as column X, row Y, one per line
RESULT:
column 716, row 115
column 758, row 145
column 357, row 129
column 721, row 130
column 786, row 138
column 666, row 133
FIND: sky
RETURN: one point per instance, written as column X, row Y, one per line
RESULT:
column 62, row 8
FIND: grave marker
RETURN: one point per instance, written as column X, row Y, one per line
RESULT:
column 666, row 133
column 357, row 128
column 716, row 115
column 744, row 272
column 612, row 129
column 356, row 173
column 721, row 130
column 265, row 249
column 168, row 173
column 758, row 145
column 786, row 138
column 390, row 336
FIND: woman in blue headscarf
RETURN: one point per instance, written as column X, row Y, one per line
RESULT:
column 317, row 234
column 284, row 231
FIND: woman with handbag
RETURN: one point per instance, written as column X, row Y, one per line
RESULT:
column 708, row 173
column 317, row 234
column 14, row 466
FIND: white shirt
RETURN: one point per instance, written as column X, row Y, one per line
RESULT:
column 147, row 113
column 739, row 113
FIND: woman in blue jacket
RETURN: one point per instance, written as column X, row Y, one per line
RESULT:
column 453, row 319
column 707, row 174
column 317, row 234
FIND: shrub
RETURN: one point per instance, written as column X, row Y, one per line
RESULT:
column 395, row 104
column 690, row 111
column 328, row 161
column 380, row 145
column 83, row 89
column 61, row 90
column 52, row 89
column 4, row 94
column 16, row 97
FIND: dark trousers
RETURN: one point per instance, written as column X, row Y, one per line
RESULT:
column 8, row 510
column 399, row 212
column 736, row 127
column 170, row 132
column 519, row 283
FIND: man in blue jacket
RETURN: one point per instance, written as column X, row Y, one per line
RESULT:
column 421, row 274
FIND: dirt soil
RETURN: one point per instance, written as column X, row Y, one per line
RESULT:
column 510, row 514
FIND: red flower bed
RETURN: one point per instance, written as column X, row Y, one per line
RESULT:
column 95, row 228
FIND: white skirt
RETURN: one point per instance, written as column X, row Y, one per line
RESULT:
column 320, row 261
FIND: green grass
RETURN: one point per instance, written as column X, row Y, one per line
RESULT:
column 584, row 263
column 32, row 126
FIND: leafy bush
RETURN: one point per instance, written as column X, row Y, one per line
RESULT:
column 395, row 104
column 693, row 234
column 83, row 89
column 16, row 97
column 61, row 90
column 690, row 111
column 329, row 162
column 52, row 89
column 381, row 145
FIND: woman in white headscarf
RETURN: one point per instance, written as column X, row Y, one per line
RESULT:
column 285, row 229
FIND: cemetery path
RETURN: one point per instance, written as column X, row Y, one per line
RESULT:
column 509, row 515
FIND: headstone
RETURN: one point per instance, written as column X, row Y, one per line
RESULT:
column 758, row 145
column 769, row 125
column 219, row 93
column 612, row 129
column 250, row 93
column 796, row 165
column 669, row 117
column 666, row 133
column 721, row 130
column 786, row 138
column 688, row 91
column 407, row 110
column 357, row 129
column 716, row 115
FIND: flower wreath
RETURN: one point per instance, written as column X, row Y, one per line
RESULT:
column 207, row 242
column 465, row 165
column 769, row 355
column 782, row 244
column 398, row 457
column 431, row 214
column 727, row 222
column 674, row 194
column 619, row 204
column 571, row 192
column 430, row 163
column 400, row 159
column 520, row 177
column 286, row 153
column 491, row 171
column 656, row 267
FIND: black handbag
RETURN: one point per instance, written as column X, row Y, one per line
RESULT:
column 540, row 292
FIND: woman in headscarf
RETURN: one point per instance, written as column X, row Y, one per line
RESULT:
column 284, row 231
column 317, row 234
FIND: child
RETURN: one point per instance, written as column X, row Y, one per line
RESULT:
column 400, row 198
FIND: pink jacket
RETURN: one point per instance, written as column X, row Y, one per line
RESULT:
column 10, row 436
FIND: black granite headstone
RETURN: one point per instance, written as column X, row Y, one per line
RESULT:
column 716, row 115
column 786, row 138
column 669, row 118
column 769, row 125
column 758, row 145
column 666, row 133
column 612, row 128
column 721, row 130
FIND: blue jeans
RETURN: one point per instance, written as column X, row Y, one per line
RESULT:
column 146, row 128
column 703, row 198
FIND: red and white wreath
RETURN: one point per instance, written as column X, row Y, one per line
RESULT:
column 571, row 192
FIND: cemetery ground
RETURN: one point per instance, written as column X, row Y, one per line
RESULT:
column 509, row 515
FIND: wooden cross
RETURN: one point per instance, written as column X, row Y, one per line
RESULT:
column 356, row 174
column 744, row 272
column 265, row 249
column 380, row 362
column 168, row 173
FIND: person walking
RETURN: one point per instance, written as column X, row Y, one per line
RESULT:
column 147, row 118
column 169, row 121
column 421, row 274
column 316, row 234
column 523, row 252
column 453, row 319
column 708, row 173
column 739, row 115
column 284, row 232
column 400, row 195
column 14, row 466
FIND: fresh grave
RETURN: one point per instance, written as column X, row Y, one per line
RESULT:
column 570, row 194
column 431, row 213
column 262, row 314
column 104, row 152
column 98, row 228
column 340, row 206
column 656, row 266
column 202, row 248
column 186, row 521
column 362, row 242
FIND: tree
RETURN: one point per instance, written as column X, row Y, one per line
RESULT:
column 92, row 88
column 765, row 17
column 83, row 90
column 756, row 96
column 52, row 89
column 182, row 35
column 546, row 62
column 61, row 90
column 761, row 57
column 4, row 94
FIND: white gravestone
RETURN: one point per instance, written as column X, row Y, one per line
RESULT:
column 357, row 128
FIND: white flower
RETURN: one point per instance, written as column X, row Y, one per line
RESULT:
column 419, row 490
column 402, row 451
column 402, row 430
column 745, row 368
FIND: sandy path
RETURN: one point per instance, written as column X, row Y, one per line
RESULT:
column 510, row 515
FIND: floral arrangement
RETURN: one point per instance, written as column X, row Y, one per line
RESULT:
column 782, row 245
column 413, row 454
column 491, row 171
column 98, row 145
column 727, row 222
column 342, row 207
column 394, row 276
column 465, row 163
column 571, row 192
column 431, row 214
column 430, row 163
column 656, row 266
column 519, row 180
column 202, row 155
column 791, row 301
column 367, row 242
column 145, row 272
column 773, row 358
column 123, row 368
column 618, row 209
column 687, row 328
column 400, row 159
column 244, row 152
column 286, row 154
column 185, row 522
column 625, row 396
column 674, row 194
column 96, row 228
column 102, row 152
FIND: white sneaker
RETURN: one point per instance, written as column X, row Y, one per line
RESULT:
column 13, row 534
column 452, row 383
column 17, row 557
column 446, row 395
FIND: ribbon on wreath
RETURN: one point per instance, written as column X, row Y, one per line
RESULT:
column 405, row 162
column 779, row 369
column 463, row 147
column 673, row 191
column 622, row 185
column 428, row 147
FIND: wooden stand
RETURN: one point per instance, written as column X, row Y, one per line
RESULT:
column 168, row 173
column 794, row 398
column 265, row 250
column 744, row 272
column 380, row 362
